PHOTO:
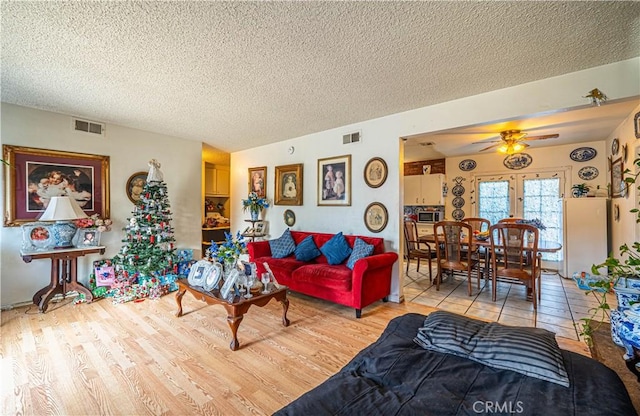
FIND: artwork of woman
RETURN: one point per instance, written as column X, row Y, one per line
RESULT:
column 338, row 186
column 257, row 184
column 290, row 187
column 329, row 181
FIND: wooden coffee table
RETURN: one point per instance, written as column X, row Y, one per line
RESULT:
column 235, row 309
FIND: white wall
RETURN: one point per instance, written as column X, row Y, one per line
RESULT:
column 381, row 138
column 129, row 151
column 626, row 230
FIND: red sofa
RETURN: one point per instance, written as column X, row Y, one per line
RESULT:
column 369, row 281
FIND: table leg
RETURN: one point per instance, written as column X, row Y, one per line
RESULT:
column 234, row 323
column 72, row 283
column 44, row 295
column 179, row 294
column 285, row 308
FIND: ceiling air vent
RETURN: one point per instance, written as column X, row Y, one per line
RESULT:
column 86, row 126
column 351, row 138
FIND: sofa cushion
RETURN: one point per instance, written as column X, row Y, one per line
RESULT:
column 281, row 267
column 282, row 246
column 307, row 250
column 336, row 277
column 360, row 250
column 336, row 250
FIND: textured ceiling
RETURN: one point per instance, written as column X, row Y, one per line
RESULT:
column 241, row 74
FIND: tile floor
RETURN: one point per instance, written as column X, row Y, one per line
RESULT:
column 562, row 306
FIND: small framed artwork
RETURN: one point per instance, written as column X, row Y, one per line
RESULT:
column 376, row 217
column 205, row 274
column 135, row 186
column 258, row 181
column 105, row 276
column 87, row 237
column 229, row 283
column 375, row 172
column 288, row 185
column 37, row 236
column 334, row 181
column 33, row 176
column 259, row 228
column 289, row 218
column 618, row 185
column 636, row 124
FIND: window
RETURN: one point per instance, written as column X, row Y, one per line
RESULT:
column 532, row 195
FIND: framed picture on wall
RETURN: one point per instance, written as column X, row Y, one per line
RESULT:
column 618, row 185
column 258, row 181
column 135, row 186
column 375, row 172
column 33, row 176
column 334, row 181
column 288, row 185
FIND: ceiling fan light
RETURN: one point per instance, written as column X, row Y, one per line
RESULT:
column 517, row 147
column 504, row 148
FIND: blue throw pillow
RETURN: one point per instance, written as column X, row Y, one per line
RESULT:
column 307, row 250
column 283, row 246
column 360, row 250
column 336, row 250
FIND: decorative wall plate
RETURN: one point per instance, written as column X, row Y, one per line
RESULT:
column 467, row 165
column 517, row 161
column 457, row 214
column 458, row 190
column 458, row 202
column 615, row 146
column 583, row 154
column 616, row 212
column 588, row 173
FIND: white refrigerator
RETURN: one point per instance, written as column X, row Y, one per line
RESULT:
column 586, row 233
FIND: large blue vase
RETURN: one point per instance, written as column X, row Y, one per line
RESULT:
column 63, row 232
column 255, row 215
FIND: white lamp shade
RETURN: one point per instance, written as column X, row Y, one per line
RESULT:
column 62, row 208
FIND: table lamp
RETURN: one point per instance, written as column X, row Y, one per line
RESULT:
column 62, row 210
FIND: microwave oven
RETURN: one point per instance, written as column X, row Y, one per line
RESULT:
column 430, row 216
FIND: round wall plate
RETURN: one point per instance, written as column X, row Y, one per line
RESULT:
column 582, row 154
column 588, row 173
column 615, row 146
column 517, row 161
column 289, row 218
column 467, row 165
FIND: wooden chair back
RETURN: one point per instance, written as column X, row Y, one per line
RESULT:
column 512, row 254
column 478, row 224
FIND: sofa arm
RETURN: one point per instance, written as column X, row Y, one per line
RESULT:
column 258, row 249
column 374, row 262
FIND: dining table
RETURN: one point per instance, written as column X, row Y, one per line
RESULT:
column 544, row 246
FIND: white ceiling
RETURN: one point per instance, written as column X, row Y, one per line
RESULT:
column 237, row 75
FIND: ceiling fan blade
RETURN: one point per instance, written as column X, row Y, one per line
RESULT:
column 542, row 137
column 487, row 141
column 489, row 147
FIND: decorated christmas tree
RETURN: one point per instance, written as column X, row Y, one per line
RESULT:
column 149, row 243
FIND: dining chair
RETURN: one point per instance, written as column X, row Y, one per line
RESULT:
column 511, row 257
column 454, row 251
column 416, row 249
column 480, row 225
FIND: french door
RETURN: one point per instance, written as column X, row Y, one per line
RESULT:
column 529, row 196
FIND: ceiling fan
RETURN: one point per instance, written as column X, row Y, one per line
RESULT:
column 511, row 141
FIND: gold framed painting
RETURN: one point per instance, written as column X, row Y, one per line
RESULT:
column 334, row 181
column 258, row 181
column 33, row 176
column 288, row 185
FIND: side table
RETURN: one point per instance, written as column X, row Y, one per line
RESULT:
column 64, row 273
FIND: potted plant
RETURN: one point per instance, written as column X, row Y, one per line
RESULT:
column 255, row 204
column 619, row 275
column 579, row 190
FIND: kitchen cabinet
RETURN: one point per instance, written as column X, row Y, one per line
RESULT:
column 216, row 181
column 423, row 189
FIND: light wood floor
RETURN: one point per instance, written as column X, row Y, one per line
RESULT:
column 139, row 359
